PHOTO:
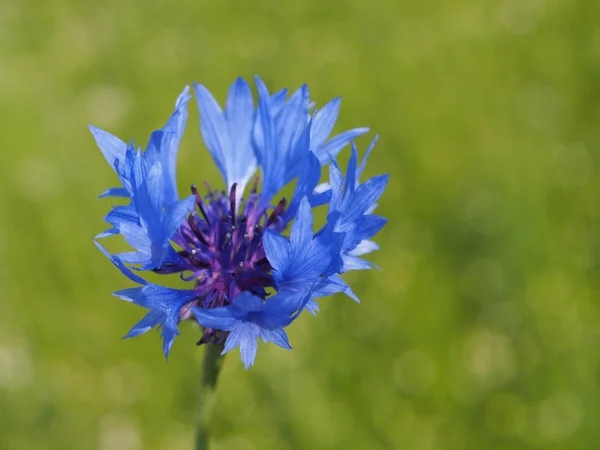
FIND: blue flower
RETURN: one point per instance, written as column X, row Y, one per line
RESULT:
column 285, row 132
column 306, row 187
column 251, row 317
column 148, row 178
column 302, row 261
column 323, row 120
column 165, row 304
column 249, row 278
column 228, row 134
column 350, row 211
column 163, row 147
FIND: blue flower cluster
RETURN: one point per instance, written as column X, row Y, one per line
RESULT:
column 248, row 279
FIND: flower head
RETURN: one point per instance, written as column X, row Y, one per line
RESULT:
column 248, row 278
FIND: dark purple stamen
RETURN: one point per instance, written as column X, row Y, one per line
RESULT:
column 232, row 211
column 277, row 212
column 262, row 261
column 200, row 202
column 192, row 220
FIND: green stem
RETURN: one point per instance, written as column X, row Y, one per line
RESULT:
column 210, row 373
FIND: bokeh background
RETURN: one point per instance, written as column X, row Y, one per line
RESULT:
column 482, row 330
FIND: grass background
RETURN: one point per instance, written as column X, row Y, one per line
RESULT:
column 480, row 333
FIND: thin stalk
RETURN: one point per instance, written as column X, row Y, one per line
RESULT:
column 210, row 372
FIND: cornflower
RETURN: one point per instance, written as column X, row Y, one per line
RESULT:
column 248, row 279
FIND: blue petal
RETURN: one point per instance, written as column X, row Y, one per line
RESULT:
column 351, row 258
column 350, row 209
column 110, row 232
column 282, row 309
column 337, row 143
column 352, row 262
column 333, row 285
column 362, row 228
column 122, row 267
column 149, row 198
column 266, row 151
column 114, row 192
column 363, row 163
column 145, row 224
column 233, row 340
column 246, row 303
column 275, row 101
column 310, row 174
column 247, row 307
column 169, row 145
column 228, row 135
column 324, row 121
column 139, row 258
column 111, row 146
column 301, row 264
column 302, row 232
column 278, row 336
column 168, row 335
column 253, row 318
column 277, row 249
column 165, row 305
column 248, row 343
column 137, row 237
column 122, row 214
column 284, row 132
column 245, row 336
column 336, row 182
column 157, row 297
column 366, row 195
column 312, row 307
column 281, row 141
column 163, row 147
column 212, row 126
column 299, row 149
column 217, row 318
column 364, row 247
column 149, row 321
column 351, row 170
column 369, row 225
column 240, row 160
column 176, row 215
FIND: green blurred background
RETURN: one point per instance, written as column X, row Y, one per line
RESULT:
column 480, row 333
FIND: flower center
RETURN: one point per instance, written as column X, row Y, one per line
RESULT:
column 222, row 244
